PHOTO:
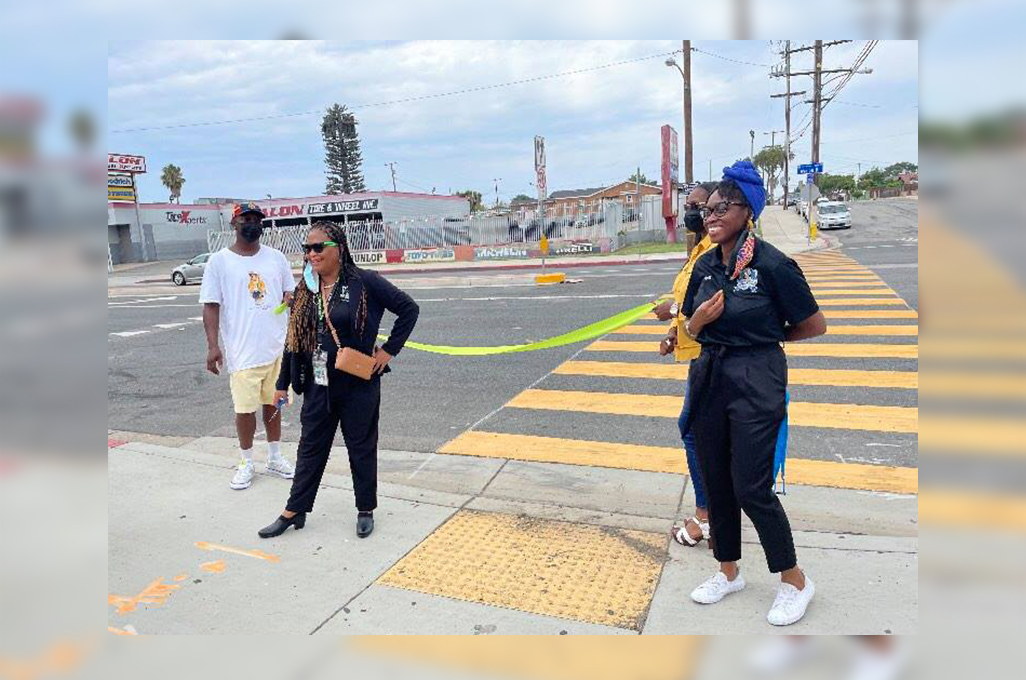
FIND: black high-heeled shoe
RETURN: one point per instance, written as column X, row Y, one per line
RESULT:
column 364, row 524
column 280, row 525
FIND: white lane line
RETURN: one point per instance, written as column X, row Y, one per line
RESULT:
column 141, row 300
column 195, row 318
column 171, row 325
column 128, row 334
column 109, row 307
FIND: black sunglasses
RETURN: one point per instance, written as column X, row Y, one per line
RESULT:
column 720, row 209
column 318, row 247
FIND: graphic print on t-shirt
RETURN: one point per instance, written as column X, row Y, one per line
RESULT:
column 257, row 288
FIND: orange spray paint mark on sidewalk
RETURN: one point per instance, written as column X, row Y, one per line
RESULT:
column 127, row 630
column 155, row 593
column 181, row 577
column 213, row 567
column 259, row 554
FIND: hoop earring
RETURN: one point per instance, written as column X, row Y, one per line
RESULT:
column 751, row 224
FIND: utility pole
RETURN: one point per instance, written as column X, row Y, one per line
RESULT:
column 688, row 149
column 391, row 166
column 637, row 205
column 751, row 154
column 817, row 96
column 772, row 179
column 497, row 180
column 710, row 169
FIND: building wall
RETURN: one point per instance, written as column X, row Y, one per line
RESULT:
column 624, row 193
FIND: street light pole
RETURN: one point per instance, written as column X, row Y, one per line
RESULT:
column 688, row 149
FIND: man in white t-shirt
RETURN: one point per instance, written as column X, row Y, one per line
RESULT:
column 242, row 285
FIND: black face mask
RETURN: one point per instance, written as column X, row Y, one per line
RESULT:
column 693, row 220
column 251, row 232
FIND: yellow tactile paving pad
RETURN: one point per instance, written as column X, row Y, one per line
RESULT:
column 587, row 573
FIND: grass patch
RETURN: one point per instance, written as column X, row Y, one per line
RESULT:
column 649, row 248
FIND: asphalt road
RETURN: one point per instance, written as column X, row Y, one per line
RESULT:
column 157, row 382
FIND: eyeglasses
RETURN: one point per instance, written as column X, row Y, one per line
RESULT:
column 694, row 205
column 318, row 247
column 720, row 209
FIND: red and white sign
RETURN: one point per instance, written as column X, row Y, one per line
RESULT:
column 184, row 217
column 669, row 167
column 539, row 167
column 117, row 162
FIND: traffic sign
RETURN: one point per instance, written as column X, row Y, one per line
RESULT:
column 806, row 168
column 810, row 178
column 809, row 192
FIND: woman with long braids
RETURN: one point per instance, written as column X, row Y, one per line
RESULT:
column 337, row 299
column 744, row 299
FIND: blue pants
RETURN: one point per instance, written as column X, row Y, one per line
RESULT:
column 689, row 447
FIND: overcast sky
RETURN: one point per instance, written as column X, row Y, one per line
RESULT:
column 599, row 124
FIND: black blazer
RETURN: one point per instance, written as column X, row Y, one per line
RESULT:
column 297, row 367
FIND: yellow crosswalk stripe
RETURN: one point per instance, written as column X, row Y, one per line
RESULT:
column 798, row 349
column 975, row 385
column 672, row 460
column 800, row 414
column 896, row 330
column 875, row 283
column 795, row 376
column 840, row 314
column 819, row 292
column 972, row 509
column 865, row 302
column 973, row 436
column 870, row 314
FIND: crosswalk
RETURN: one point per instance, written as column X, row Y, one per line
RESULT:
column 853, row 395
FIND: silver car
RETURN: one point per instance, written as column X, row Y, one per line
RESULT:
column 833, row 215
column 190, row 271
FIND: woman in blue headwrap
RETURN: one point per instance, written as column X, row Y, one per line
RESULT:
column 744, row 299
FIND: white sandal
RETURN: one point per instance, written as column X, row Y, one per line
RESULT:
column 681, row 535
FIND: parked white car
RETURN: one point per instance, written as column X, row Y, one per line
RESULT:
column 833, row 215
column 190, row 271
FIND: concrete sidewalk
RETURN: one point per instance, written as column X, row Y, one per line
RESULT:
column 472, row 545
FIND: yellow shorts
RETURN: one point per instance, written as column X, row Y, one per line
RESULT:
column 254, row 386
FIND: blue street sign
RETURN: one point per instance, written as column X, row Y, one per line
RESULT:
column 808, row 178
column 806, row 168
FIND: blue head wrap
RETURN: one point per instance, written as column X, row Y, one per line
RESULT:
column 744, row 174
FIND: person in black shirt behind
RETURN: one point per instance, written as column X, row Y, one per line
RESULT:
column 745, row 297
column 355, row 300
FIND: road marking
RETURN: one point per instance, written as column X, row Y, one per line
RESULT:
column 141, row 300
column 800, row 414
column 798, row 349
column 671, row 460
column 975, row 385
column 969, row 436
column 866, row 302
column 896, row 330
column 177, row 324
column 795, row 376
column 606, row 296
column 871, row 314
column 826, row 284
column 972, row 510
column 129, row 334
column 259, row 554
column 818, row 292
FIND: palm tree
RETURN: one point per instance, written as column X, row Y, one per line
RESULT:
column 173, row 179
column 83, row 129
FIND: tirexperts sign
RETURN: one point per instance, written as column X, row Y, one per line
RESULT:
column 499, row 252
column 369, row 257
column 336, row 207
column 430, row 255
column 184, row 217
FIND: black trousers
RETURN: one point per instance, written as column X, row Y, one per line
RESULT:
column 736, row 421
column 356, row 410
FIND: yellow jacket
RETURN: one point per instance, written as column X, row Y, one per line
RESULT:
column 686, row 347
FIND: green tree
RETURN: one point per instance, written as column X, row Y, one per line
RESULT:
column 172, row 178
column 474, row 197
column 771, row 161
column 829, row 184
column 892, row 171
column 521, row 198
column 875, row 178
column 342, row 158
column 638, row 177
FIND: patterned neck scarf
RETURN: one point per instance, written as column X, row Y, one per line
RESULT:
column 743, row 253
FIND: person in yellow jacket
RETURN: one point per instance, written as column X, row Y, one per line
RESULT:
column 694, row 529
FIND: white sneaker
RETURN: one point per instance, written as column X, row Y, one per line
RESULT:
column 243, row 476
column 717, row 587
column 791, row 603
column 281, row 467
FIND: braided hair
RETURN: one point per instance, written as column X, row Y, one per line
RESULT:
column 302, row 330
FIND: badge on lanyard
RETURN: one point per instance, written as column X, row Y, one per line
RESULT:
column 320, row 367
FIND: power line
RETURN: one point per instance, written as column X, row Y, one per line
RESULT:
column 736, row 61
column 406, row 100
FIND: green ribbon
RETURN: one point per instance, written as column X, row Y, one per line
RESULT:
column 597, row 329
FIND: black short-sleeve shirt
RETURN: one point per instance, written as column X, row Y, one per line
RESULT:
column 770, row 293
